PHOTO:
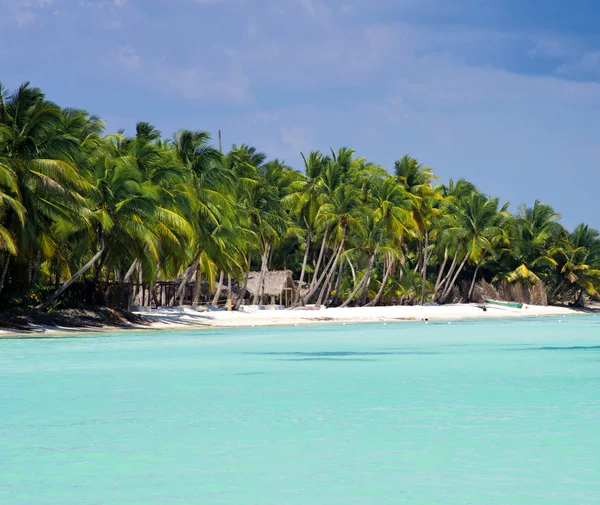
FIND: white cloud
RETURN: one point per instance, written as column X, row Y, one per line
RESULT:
column 199, row 84
column 202, row 83
column 551, row 48
column 586, row 66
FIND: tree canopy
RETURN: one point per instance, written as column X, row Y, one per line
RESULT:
column 80, row 204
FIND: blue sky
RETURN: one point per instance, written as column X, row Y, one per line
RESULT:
column 505, row 93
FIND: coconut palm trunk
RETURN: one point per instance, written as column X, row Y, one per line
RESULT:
column 229, row 291
column 240, row 297
column 448, row 276
column 73, row 279
column 185, row 279
column 215, row 299
column 317, row 283
column 326, row 291
column 352, row 270
column 386, row 276
column 303, row 271
column 365, row 290
column 331, row 271
column 132, row 268
column 4, row 272
column 426, row 256
column 259, row 294
column 197, row 285
column 440, row 273
column 360, row 285
column 312, row 288
column 453, row 281
column 338, row 284
column 473, row 281
column 140, row 299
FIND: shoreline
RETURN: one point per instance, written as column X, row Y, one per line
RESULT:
column 188, row 319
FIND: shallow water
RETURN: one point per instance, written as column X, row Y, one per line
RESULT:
column 502, row 412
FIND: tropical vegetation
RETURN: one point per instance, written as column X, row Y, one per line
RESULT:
column 79, row 205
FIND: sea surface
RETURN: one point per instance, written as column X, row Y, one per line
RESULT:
column 498, row 412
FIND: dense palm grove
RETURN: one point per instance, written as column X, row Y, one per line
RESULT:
column 78, row 205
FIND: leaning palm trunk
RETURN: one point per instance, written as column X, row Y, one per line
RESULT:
column 303, row 271
column 132, row 268
column 357, row 288
column 4, row 272
column 364, row 281
column 388, row 271
column 332, row 266
column 74, row 278
column 365, row 291
column 419, row 256
column 140, row 294
column 242, row 293
column 473, row 281
column 325, row 275
column 228, row 291
column 259, row 294
column 352, row 270
column 324, row 293
column 338, row 284
column 426, row 257
column 197, row 286
column 448, row 276
column 440, row 273
column 453, row 281
column 215, row 299
column 185, row 279
column 312, row 287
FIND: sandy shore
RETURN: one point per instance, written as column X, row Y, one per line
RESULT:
column 372, row 314
column 186, row 318
column 351, row 315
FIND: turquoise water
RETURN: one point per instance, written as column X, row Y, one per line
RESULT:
column 503, row 412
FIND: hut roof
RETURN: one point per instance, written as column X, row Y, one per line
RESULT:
column 275, row 282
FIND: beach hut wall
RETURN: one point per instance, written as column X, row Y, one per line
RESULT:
column 276, row 283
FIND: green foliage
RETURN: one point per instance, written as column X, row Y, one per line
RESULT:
column 79, row 204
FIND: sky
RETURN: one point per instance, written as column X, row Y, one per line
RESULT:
column 505, row 93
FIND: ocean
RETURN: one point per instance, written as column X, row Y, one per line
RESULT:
column 503, row 412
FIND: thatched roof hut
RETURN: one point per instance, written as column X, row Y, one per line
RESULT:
column 277, row 284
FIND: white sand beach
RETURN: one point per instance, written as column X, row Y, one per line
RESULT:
column 350, row 315
column 187, row 318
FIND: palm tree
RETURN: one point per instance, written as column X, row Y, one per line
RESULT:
column 40, row 156
column 578, row 264
column 122, row 213
column 212, row 183
column 533, row 232
column 374, row 238
column 416, row 180
column 267, row 214
column 343, row 211
column 307, row 204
